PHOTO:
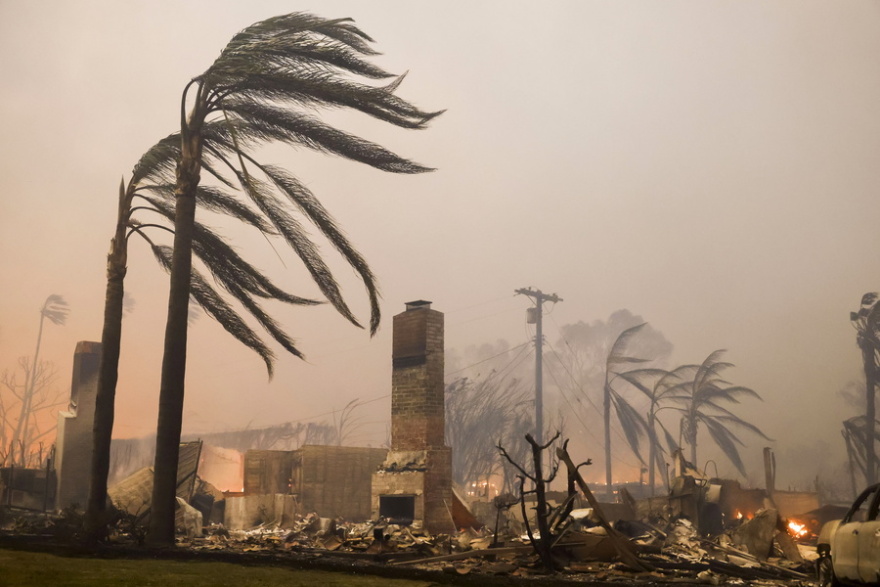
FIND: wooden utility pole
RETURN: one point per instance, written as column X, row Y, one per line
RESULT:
column 539, row 298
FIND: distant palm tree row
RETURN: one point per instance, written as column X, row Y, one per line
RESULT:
column 699, row 394
column 263, row 88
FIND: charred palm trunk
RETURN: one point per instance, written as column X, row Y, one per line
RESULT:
column 171, row 394
column 870, row 413
column 692, row 437
column 105, row 398
column 652, row 451
column 607, row 416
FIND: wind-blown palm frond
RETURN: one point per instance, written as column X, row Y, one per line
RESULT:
column 216, row 200
column 158, row 163
column 639, row 379
column 726, row 441
column 618, row 350
column 275, row 123
column 227, row 266
column 55, row 309
column 303, row 198
column 632, row 423
column 660, row 387
column 215, row 306
column 702, row 405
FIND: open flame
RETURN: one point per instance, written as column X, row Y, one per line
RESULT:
column 739, row 515
column 797, row 530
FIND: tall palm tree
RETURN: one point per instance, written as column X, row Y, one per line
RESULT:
column 701, row 405
column 631, row 421
column 244, row 99
column 867, row 324
column 151, row 185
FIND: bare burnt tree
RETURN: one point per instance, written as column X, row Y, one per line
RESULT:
column 543, row 543
column 518, row 451
column 28, row 395
column 346, row 423
column 55, row 310
column 481, row 412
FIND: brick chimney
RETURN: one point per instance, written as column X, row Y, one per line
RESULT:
column 417, row 409
column 414, row 484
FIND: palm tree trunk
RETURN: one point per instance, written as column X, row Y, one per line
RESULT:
column 171, row 394
column 609, row 491
column 105, row 398
column 652, row 451
column 870, row 413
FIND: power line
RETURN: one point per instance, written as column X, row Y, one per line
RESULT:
column 575, row 387
column 524, row 354
column 488, row 359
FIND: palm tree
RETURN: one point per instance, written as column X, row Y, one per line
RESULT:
column 244, row 100
column 867, row 324
column 702, row 405
column 631, row 421
column 55, row 310
column 150, row 186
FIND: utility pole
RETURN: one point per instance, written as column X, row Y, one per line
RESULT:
column 539, row 298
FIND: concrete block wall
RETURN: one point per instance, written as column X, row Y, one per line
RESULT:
column 335, row 481
column 267, row 471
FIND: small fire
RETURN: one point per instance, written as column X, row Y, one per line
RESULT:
column 739, row 515
column 797, row 530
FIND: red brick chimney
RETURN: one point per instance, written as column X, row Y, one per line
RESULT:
column 417, row 409
column 414, row 484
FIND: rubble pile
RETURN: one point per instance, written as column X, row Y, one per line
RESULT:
column 671, row 551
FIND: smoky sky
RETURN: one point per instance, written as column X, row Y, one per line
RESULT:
column 711, row 167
